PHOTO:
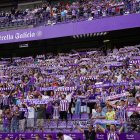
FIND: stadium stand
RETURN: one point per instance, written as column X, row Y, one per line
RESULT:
column 52, row 13
column 59, row 93
column 77, row 80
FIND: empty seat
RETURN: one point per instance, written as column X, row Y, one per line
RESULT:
column 62, row 124
column 70, row 124
column 84, row 116
column 53, row 124
column 47, row 130
column 75, row 117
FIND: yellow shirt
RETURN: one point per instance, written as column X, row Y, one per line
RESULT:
column 110, row 115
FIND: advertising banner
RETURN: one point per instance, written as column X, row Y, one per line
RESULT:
column 70, row 29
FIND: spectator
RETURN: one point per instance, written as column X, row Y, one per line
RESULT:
column 64, row 106
column 110, row 115
column 134, row 120
column 7, row 138
column 22, row 118
column 15, row 119
column 6, row 120
column 99, row 114
column 90, row 134
column 49, row 137
column 6, row 100
column 41, row 115
column 30, row 116
column 37, row 137
column 78, row 103
column 121, row 109
column 49, row 110
column 62, row 136
column 112, row 133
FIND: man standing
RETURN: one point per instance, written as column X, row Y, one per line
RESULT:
column 15, row 119
column 90, row 134
column 30, row 116
column 6, row 100
column 41, row 116
column 112, row 134
column 64, row 106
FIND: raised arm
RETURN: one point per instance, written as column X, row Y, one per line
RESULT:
column 109, row 103
column 80, row 129
column 126, row 103
column 100, row 128
column 26, row 105
column 120, row 130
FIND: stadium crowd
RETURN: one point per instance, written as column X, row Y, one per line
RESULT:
column 49, row 14
column 70, row 91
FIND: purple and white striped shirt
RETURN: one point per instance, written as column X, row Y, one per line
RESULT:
column 112, row 136
column 122, row 113
column 64, row 105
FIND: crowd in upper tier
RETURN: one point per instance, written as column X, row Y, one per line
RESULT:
column 55, row 92
column 49, row 14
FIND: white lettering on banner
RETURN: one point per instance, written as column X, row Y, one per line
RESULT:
column 106, row 122
column 130, row 137
column 6, row 37
column 22, row 35
column 133, row 109
column 36, row 101
column 100, row 136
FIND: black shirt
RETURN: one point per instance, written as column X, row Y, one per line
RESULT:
column 90, row 135
column 21, row 115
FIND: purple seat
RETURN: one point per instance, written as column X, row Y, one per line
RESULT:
column 70, row 124
column 37, row 130
column 84, row 116
column 53, row 124
column 46, row 124
column 83, row 124
column 67, row 131
column 57, row 130
column 75, row 117
column 62, row 124
column 75, row 131
column 48, row 130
